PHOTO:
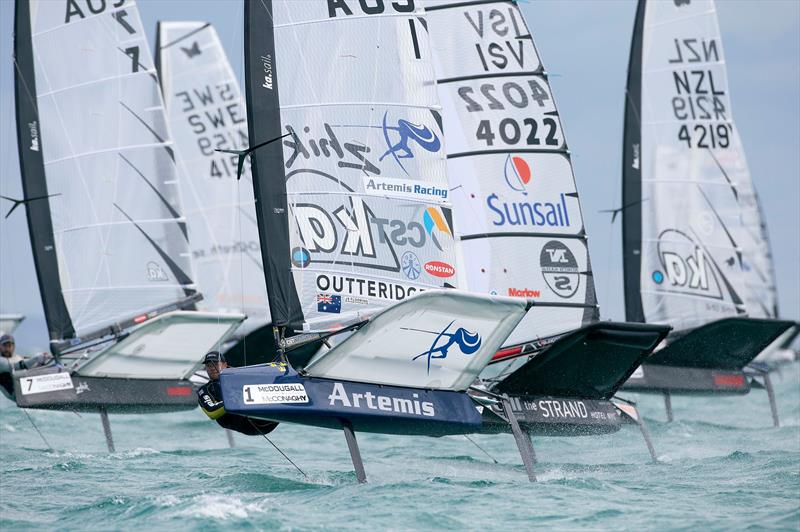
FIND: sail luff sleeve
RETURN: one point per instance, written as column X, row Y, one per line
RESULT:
column 269, row 182
column 34, row 184
column 632, row 176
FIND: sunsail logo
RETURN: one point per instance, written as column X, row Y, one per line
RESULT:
column 518, row 177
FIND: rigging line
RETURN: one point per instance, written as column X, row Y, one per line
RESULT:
column 18, row 202
column 179, row 39
column 725, row 175
column 25, row 411
column 278, row 449
column 481, row 448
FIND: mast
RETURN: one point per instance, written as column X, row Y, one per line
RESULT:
column 632, row 175
column 262, row 77
column 98, row 171
column 34, row 184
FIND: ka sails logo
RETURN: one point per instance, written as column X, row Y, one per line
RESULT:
column 466, row 341
column 155, row 272
column 685, row 266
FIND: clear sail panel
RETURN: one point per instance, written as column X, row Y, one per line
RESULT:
column 206, row 112
column 108, row 164
column 704, row 255
column 516, row 205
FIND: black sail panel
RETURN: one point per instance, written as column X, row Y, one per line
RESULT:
column 269, row 182
column 34, row 184
column 632, row 176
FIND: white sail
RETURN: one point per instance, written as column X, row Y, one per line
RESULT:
column 701, row 249
column 362, row 173
column 108, row 238
column 206, row 112
column 516, row 204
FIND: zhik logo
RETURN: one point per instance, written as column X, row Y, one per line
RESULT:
column 466, row 341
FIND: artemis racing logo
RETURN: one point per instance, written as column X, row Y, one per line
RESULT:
column 466, row 341
column 397, row 139
column 367, row 400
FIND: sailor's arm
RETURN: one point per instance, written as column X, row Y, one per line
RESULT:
column 209, row 404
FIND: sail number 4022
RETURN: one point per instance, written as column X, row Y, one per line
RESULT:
column 706, row 136
column 512, row 132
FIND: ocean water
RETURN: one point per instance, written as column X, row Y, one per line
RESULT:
column 721, row 466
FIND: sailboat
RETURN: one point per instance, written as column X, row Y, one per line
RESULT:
column 357, row 231
column 692, row 249
column 205, row 111
column 9, row 322
column 108, row 240
column 521, row 228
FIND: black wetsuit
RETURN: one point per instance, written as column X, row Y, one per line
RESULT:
column 210, row 398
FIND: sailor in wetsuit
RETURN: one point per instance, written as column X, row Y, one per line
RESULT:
column 11, row 362
column 210, row 399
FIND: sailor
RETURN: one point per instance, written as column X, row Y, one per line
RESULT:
column 11, row 362
column 210, row 398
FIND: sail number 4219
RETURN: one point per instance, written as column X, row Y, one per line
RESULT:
column 706, row 136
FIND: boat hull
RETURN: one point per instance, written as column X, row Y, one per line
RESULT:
column 556, row 416
column 655, row 378
column 276, row 392
column 56, row 389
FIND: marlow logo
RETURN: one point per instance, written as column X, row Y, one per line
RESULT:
column 560, row 269
column 466, row 341
column 404, row 132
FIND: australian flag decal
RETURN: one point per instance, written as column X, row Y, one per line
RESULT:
column 329, row 303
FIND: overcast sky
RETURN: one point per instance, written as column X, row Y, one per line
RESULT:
column 584, row 45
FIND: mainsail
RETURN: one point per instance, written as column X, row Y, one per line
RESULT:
column 354, row 203
column 514, row 194
column 206, row 112
column 98, row 169
column 694, row 243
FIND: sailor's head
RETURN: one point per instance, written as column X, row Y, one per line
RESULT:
column 7, row 345
column 214, row 362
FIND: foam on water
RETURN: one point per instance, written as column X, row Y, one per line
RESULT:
column 721, row 466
